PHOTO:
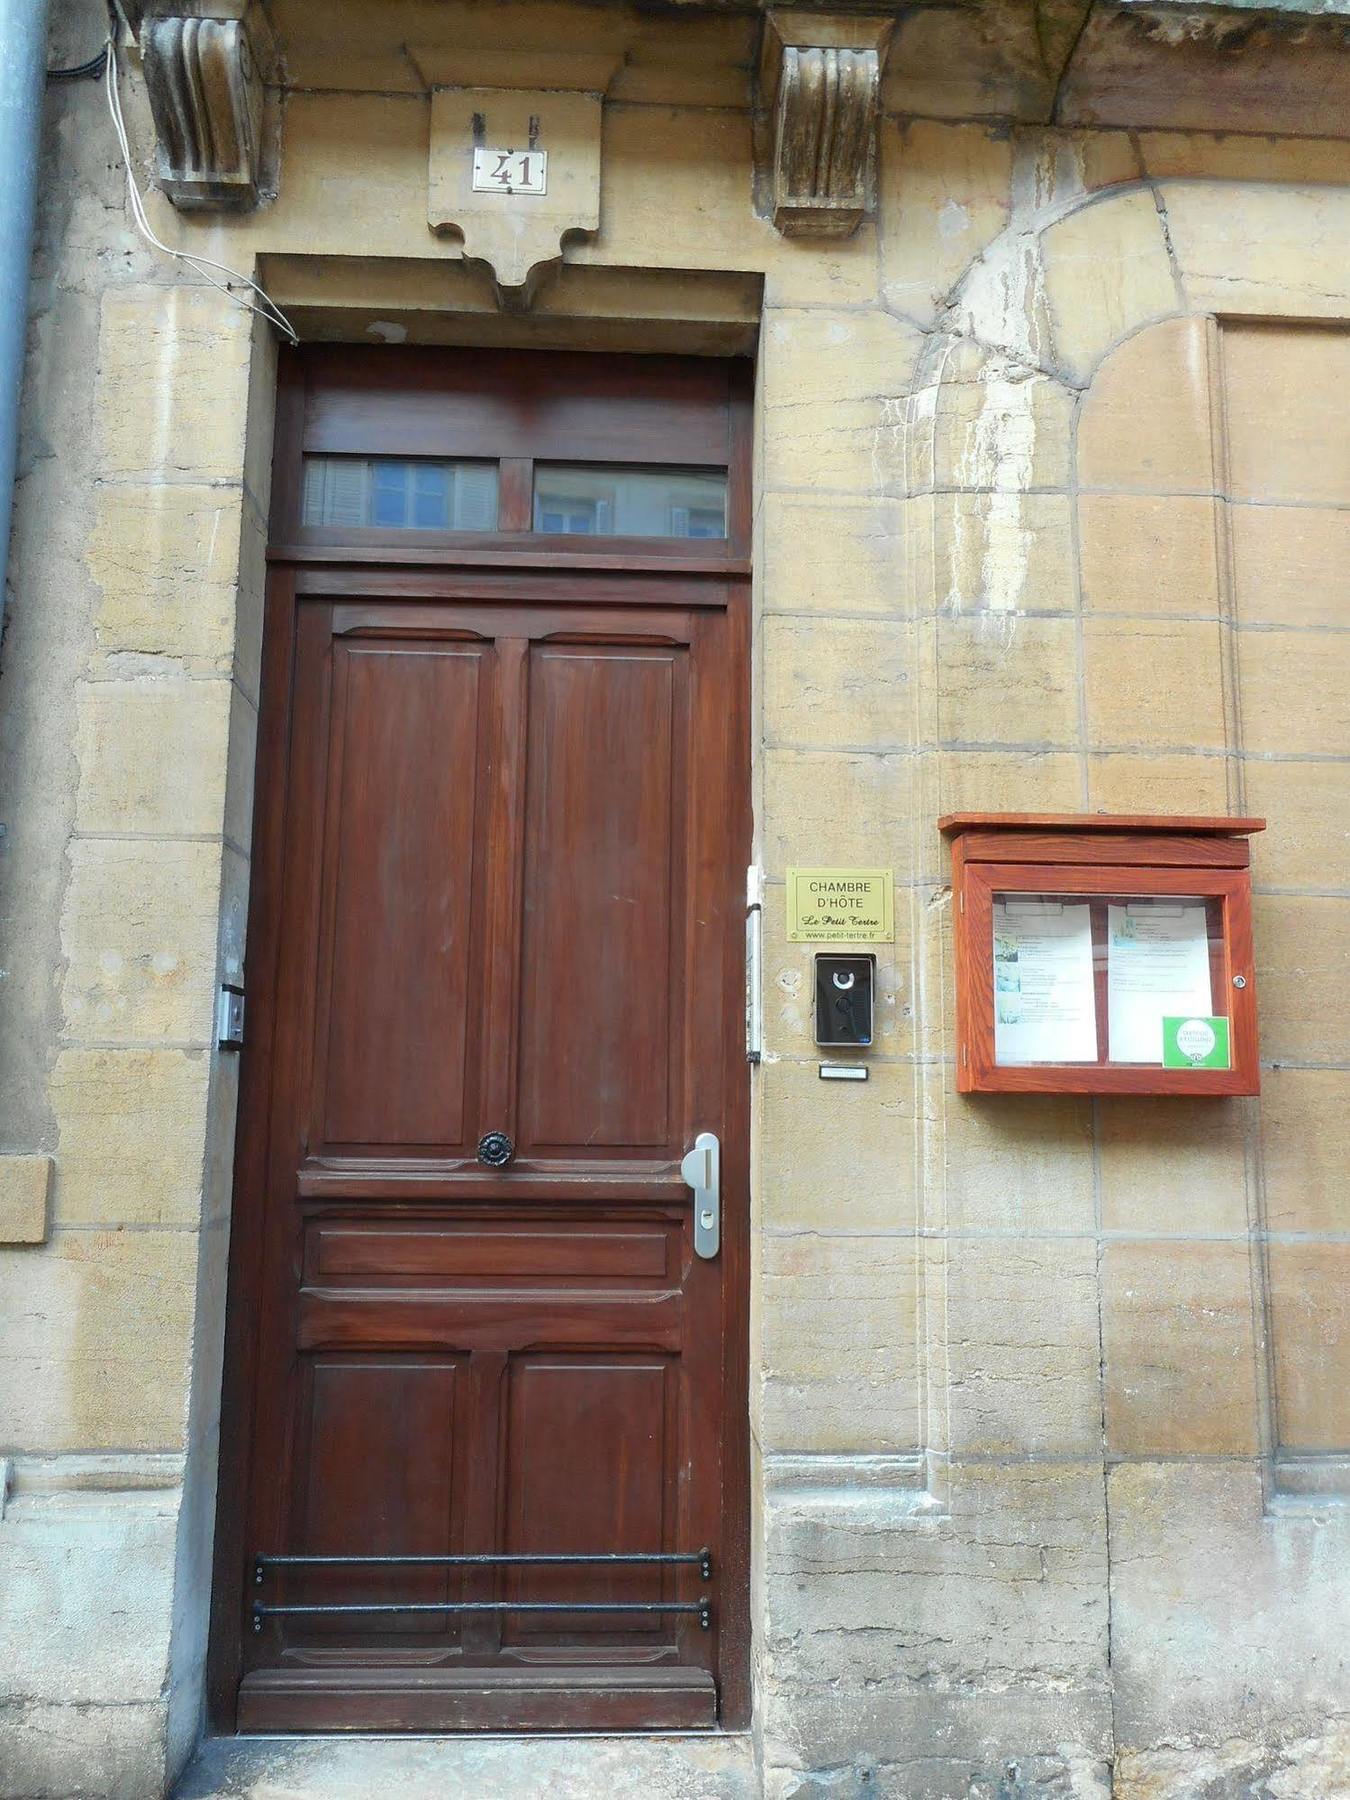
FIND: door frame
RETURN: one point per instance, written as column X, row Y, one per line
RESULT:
column 521, row 561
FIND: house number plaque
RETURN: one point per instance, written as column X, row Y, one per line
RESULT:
column 509, row 171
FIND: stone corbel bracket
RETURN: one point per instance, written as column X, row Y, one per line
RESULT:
column 519, row 236
column 206, row 98
column 820, row 84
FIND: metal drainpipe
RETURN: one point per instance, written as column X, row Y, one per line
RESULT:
column 23, row 63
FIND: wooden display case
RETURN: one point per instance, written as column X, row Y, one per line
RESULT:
column 1103, row 954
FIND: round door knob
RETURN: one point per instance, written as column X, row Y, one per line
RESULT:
column 495, row 1150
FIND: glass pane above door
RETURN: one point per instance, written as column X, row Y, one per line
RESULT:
column 397, row 493
column 593, row 500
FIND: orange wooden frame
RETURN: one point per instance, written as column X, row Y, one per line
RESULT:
column 1098, row 856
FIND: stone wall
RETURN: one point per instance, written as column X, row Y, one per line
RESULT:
column 1049, row 1395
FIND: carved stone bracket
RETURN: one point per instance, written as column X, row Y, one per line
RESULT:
column 206, row 98
column 820, row 80
column 518, row 234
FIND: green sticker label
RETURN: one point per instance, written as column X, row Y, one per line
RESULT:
column 1195, row 1043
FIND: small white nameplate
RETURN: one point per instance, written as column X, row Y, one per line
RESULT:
column 843, row 1071
column 510, row 171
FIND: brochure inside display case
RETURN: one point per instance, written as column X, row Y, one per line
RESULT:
column 1106, row 955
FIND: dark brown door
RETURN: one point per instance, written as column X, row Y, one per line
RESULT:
column 485, row 1442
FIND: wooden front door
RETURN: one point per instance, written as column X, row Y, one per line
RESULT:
column 484, row 1447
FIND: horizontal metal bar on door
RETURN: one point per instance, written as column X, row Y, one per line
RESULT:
column 602, row 1559
column 702, row 1608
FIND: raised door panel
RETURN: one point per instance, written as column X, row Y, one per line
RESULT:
column 380, row 1467
column 588, row 1464
column 603, row 885
column 399, row 1037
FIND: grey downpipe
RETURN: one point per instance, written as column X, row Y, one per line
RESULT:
column 23, row 64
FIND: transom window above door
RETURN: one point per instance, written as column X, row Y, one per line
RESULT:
column 629, row 502
column 398, row 493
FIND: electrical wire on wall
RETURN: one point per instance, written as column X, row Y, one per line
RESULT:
column 262, row 302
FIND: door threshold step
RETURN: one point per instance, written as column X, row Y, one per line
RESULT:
column 709, row 1766
column 605, row 1698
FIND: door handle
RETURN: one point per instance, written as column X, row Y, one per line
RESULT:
column 701, row 1168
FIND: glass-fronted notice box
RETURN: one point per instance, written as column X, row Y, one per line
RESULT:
column 1103, row 955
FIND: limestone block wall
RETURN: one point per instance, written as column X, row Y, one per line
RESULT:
column 1048, row 1395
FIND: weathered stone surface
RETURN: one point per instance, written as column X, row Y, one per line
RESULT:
column 832, row 554
column 139, row 929
column 1282, row 556
column 1145, row 554
column 85, row 1590
column 165, row 560
column 25, row 1182
column 1280, row 412
column 1015, row 1163
column 55, row 1751
column 834, row 400
column 1174, row 1167
column 1005, row 679
column 1123, row 782
column 789, row 992
column 998, row 781
column 831, row 808
column 805, row 1183
column 1187, row 1539
column 173, row 384
column 541, row 1768
column 131, row 1124
column 1313, row 665
column 820, row 674
column 153, row 756
column 1179, row 1348
column 1107, row 270
column 97, row 1340
column 947, row 191
column 1303, row 958
column 1304, row 1765
column 1153, row 684
column 824, row 1389
column 1002, row 553
column 518, row 245
column 1019, row 1331
column 1305, row 1140
column 206, row 96
column 1289, row 267
column 1206, row 68
column 992, row 423
column 889, row 1664
column 1145, row 425
column 1310, row 1333
column 820, row 78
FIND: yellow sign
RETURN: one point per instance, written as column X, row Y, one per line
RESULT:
column 840, row 906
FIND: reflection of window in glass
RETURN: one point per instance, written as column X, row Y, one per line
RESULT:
column 400, row 493
column 592, row 500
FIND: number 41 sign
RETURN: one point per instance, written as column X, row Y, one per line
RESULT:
column 510, row 171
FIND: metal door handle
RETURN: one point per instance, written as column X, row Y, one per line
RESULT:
column 701, row 1168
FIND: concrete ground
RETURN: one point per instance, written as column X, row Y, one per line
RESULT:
column 540, row 1768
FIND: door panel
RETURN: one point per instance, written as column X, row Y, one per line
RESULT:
column 586, row 1460
column 502, row 830
column 399, row 1038
column 381, row 1436
column 603, row 898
